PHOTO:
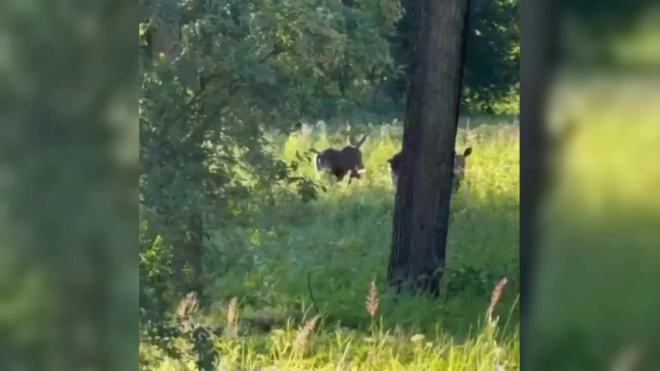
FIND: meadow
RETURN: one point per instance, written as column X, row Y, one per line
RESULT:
column 303, row 287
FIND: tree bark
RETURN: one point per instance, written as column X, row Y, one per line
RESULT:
column 536, row 145
column 189, row 255
column 421, row 216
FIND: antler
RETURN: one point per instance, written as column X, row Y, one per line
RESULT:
column 351, row 135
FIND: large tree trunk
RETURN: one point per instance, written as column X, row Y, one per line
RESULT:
column 536, row 145
column 424, row 188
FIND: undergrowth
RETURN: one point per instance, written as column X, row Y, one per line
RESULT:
column 303, row 286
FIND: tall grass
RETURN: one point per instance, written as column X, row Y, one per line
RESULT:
column 310, row 276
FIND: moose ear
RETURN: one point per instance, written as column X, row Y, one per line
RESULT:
column 467, row 152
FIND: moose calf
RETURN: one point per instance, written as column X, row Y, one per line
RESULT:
column 396, row 163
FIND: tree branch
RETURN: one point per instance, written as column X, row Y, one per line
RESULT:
column 203, row 91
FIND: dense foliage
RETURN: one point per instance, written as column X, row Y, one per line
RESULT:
column 492, row 80
column 216, row 76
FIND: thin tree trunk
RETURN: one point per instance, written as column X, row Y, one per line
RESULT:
column 423, row 196
column 188, row 257
column 189, row 250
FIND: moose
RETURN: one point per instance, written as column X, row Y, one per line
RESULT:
column 396, row 164
column 348, row 160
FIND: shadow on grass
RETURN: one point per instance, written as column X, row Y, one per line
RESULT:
column 332, row 248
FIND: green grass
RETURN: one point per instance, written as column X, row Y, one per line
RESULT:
column 598, row 296
column 301, row 259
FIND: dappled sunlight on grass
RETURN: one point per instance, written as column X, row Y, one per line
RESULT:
column 302, row 257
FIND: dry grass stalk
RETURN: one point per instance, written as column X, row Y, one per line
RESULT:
column 627, row 359
column 232, row 316
column 232, row 310
column 305, row 130
column 303, row 333
column 184, row 311
column 372, row 300
column 495, row 297
column 187, row 306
